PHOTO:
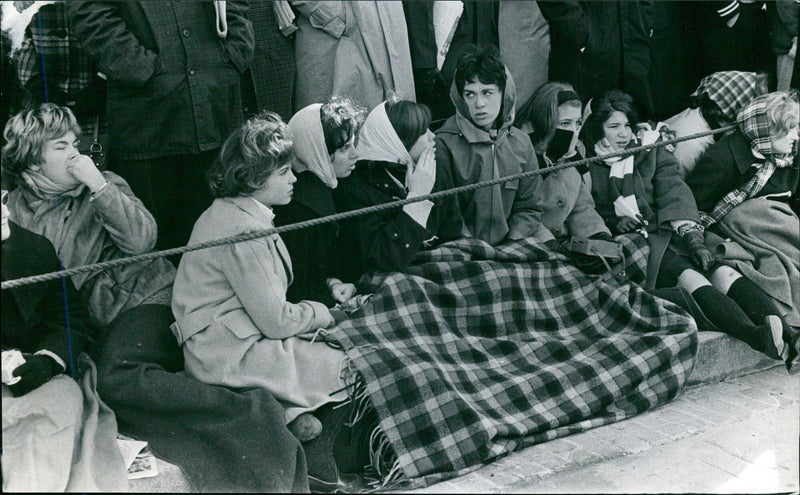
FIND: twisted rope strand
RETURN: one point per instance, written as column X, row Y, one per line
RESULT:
column 10, row 284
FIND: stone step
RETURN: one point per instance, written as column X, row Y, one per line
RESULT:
column 719, row 357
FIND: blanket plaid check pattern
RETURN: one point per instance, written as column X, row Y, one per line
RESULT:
column 477, row 351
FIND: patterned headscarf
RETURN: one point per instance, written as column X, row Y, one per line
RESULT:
column 753, row 123
column 731, row 90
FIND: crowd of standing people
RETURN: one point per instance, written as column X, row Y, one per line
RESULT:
column 133, row 126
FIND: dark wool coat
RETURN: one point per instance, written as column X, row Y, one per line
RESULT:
column 172, row 81
column 313, row 250
column 726, row 165
column 387, row 241
column 33, row 316
column 615, row 38
column 661, row 195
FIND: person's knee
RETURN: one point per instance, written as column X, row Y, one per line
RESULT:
column 62, row 401
column 691, row 280
column 723, row 277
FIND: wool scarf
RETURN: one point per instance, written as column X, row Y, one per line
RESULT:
column 620, row 175
column 754, row 124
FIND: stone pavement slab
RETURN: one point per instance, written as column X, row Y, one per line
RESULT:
column 736, row 436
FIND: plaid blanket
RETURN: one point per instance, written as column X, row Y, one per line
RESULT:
column 477, row 351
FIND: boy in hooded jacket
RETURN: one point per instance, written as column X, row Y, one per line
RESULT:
column 479, row 143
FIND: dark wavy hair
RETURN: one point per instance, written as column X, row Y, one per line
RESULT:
column 482, row 64
column 26, row 133
column 410, row 120
column 341, row 119
column 260, row 146
column 602, row 107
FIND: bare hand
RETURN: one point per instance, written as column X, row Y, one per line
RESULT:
column 420, row 178
column 342, row 292
column 84, row 169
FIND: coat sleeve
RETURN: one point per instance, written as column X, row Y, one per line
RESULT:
column 132, row 228
column 240, row 41
column 712, row 177
column 106, row 39
column 65, row 327
column 388, row 239
column 451, row 223
column 673, row 198
column 526, row 213
column 567, row 22
column 584, row 221
column 326, row 16
column 248, row 268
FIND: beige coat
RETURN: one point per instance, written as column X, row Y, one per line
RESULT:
column 234, row 322
column 568, row 207
column 359, row 49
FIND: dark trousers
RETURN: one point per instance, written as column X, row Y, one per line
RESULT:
column 173, row 188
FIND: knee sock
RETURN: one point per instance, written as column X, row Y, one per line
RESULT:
column 728, row 316
column 755, row 302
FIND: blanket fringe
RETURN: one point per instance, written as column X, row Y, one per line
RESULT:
column 384, row 470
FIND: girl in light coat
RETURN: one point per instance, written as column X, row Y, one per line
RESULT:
column 232, row 318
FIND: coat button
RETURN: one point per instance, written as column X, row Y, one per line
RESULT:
column 185, row 33
column 191, row 72
column 408, row 245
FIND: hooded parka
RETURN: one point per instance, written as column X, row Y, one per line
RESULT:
column 469, row 154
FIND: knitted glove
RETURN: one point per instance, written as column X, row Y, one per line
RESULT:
column 37, row 369
column 603, row 236
column 702, row 257
column 624, row 225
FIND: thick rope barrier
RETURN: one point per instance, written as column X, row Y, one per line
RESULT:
column 104, row 265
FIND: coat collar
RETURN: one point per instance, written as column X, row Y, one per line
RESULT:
column 262, row 214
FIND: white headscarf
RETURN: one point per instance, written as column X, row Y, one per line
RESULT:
column 379, row 141
column 309, row 145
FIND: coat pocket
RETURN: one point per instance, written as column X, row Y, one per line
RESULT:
column 241, row 325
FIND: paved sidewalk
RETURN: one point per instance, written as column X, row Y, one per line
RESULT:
column 736, row 436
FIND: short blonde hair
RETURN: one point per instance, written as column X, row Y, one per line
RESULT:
column 783, row 112
column 259, row 147
column 26, row 133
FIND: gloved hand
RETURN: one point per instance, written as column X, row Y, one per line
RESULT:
column 625, row 225
column 34, row 372
column 557, row 246
column 587, row 263
column 702, row 257
column 603, row 236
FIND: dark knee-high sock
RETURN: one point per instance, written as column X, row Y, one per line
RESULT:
column 728, row 316
column 755, row 302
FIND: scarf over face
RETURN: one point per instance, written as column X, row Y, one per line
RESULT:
column 620, row 175
column 752, row 122
column 309, row 145
column 378, row 141
column 731, row 90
